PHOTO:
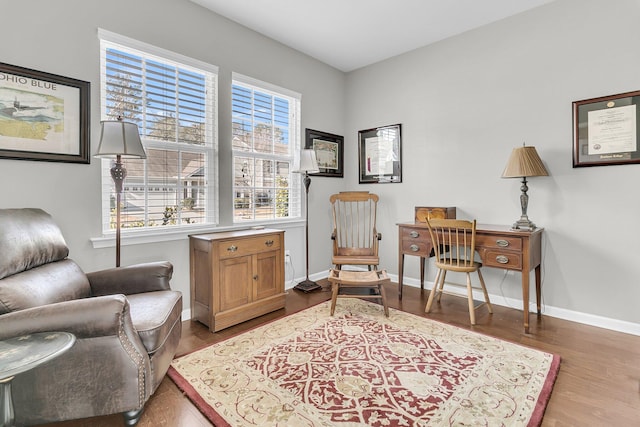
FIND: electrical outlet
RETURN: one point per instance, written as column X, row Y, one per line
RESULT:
column 287, row 257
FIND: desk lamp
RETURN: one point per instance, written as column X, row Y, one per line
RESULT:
column 119, row 139
column 308, row 164
column 524, row 162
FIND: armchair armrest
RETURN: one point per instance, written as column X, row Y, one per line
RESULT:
column 85, row 318
column 134, row 279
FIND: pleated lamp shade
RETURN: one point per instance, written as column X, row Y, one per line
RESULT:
column 524, row 161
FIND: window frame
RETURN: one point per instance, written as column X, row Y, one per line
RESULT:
column 295, row 141
column 209, row 149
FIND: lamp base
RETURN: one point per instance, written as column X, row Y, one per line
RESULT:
column 307, row 286
column 523, row 224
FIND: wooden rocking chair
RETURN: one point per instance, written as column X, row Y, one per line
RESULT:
column 355, row 238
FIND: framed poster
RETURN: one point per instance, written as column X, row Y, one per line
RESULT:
column 43, row 116
column 379, row 154
column 605, row 130
column 329, row 149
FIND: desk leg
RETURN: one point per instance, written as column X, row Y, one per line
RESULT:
column 6, row 403
column 422, row 259
column 525, row 299
column 538, row 290
column 400, row 273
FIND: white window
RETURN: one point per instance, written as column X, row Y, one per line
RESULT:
column 266, row 144
column 173, row 101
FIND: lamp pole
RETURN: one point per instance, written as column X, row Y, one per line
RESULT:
column 118, row 174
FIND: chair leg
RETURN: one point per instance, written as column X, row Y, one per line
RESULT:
column 383, row 295
column 472, row 310
column 484, row 291
column 441, row 287
column 131, row 418
column 334, row 296
column 433, row 291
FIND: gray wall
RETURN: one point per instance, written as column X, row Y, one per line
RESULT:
column 466, row 102
column 60, row 37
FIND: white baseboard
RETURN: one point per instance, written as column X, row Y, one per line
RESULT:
column 560, row 313
column 547, row 310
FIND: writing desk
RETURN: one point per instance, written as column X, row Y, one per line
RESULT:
column 498, row 246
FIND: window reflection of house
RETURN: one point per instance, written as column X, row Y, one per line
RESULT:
column 175, row 181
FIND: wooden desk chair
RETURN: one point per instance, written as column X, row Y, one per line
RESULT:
column 341, row 279
column 454, row 245
column 355, row 238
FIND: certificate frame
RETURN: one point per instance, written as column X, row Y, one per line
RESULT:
column 43, row 116
column 380, row 154
column 605, row 130
column 329, row 149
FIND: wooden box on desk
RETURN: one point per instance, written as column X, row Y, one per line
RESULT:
column 423, row 212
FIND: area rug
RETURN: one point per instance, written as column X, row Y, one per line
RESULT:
column 359, row 368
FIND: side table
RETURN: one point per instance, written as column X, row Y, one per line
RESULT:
column 21, row 354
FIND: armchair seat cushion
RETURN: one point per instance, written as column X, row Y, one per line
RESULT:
column 154, row 315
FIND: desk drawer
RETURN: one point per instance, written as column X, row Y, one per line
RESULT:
column 241, row 247
column 499, row 242
column 502, row 259
column 416, row 247
column 420, row 234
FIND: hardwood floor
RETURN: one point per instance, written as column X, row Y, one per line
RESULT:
column 598, row 383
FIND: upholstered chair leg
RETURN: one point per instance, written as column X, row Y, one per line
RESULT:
column 484, row 290
column 472, row 310
column 131, row 418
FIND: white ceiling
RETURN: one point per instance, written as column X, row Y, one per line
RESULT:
column 349, row 34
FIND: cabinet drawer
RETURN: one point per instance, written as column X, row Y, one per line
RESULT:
column 242, row 247
column 499, row 242
column 503, row 259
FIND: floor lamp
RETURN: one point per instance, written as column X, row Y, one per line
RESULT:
column 308, row 164
column 119, row 139
column 524, row 162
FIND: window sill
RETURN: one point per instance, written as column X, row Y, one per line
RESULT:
column 143, row 237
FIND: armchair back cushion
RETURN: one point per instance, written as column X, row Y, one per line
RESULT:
column 32, row 244
column 30, row 239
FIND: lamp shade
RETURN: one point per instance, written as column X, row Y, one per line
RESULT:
column 120, row 138
column 308, row 162
column 524, row 161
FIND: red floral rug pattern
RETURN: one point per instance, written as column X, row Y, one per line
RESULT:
column 359, row 368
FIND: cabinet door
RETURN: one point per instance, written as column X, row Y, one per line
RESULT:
column 268, row 279
column 235, row 282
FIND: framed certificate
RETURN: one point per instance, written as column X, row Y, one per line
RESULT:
column 380, row 154
column 329, row 149
column 605, row 130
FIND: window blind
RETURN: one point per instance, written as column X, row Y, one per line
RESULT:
column 266, row 144
column 173, row 104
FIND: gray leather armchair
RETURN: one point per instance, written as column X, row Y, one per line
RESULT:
column 127, row 323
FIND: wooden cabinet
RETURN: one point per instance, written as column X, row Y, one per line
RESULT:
column 236, row 276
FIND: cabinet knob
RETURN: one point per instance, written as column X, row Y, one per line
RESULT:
column 414, row 248
column 502, row 259
column 269, row 243
column 232, row 248
column 414, row 234
column 255, row 277
column 502, row 243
